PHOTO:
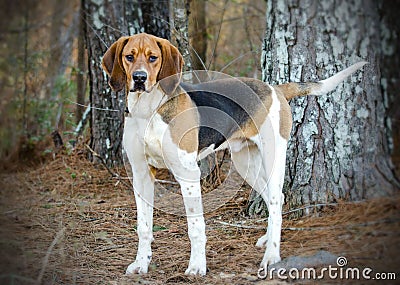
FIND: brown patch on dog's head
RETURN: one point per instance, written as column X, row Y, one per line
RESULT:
column 156, row 57
column 112, row 64
column 172, row 65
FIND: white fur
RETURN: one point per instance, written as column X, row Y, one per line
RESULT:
column 144, row 193
column 272, row 151
column 330, row 83
column 260, row 161
column 147, row 140
column 134, row 138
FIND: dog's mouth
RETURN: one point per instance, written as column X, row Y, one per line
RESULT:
column 139, row 87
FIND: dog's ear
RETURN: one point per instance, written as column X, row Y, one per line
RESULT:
column 112, row 64
column 172, row 64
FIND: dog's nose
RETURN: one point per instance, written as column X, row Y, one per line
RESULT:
column 139, row 76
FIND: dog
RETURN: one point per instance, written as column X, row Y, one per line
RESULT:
column 172, row 124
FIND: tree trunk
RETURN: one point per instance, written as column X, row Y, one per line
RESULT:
column 390, row 23
column 106, row 21
column 155, row 18
column 198, row 34
column 81, row 73
column 179, row 10
column 341, row 142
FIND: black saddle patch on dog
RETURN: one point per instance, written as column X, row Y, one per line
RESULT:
column 224, row 106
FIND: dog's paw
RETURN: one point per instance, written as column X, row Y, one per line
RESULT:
column 262, row 241
column 269, row 259
column 196, row 268
column 137, row 268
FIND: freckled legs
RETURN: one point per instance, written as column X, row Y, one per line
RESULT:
column 143, row 184
column 264, row 171
column 188, row 177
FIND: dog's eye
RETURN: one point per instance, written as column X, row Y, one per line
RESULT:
column 152, row 58
column 129, row 58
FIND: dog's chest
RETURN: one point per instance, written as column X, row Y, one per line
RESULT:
column 155, row 139
column 147, row 125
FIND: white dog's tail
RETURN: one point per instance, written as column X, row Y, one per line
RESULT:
column 291, row 90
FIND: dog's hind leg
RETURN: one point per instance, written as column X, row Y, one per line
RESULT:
column 249, row 164
column 263, row 166
column 274, row 163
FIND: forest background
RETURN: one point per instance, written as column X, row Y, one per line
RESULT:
column 52, row 193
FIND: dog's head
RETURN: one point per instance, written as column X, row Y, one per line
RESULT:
column 138, row 62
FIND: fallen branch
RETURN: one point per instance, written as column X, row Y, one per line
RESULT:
column 394, row 220
column 112, row 247
column 239, row 225
column 166, row 182
column 48, row 253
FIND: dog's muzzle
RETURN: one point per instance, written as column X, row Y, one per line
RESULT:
column 139, row 78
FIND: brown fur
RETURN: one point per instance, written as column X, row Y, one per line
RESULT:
column 285, row 118
column 172, row 64
column 169, row 63
column 292, row 90
column 141, row 46
column 112, row 64
column 181, row 116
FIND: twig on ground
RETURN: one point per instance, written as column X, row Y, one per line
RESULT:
column 239, row 225
column 166, row 181
column 313, row 228
column 48, row 253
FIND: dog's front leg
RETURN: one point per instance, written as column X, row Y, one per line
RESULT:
column 143, row 184
column 189, row 180
column 144, row 204
column 196, row 228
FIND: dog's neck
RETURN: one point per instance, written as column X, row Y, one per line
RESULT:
column 145, row 103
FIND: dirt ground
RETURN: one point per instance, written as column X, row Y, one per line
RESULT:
column 69, row 222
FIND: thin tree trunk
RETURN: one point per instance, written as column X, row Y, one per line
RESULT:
column 340, row 144
column 198, row 34
column 81, row 78
column 25, row 89
column 179, row 10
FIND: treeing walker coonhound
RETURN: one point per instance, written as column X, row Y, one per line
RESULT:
column 170, row 122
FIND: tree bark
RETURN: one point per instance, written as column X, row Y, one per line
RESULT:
column 341, row 142
column 198, row 34
column 81, row 73
column 155, row 18
column 390, row 24
column 106, row 21
column 179, row 11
